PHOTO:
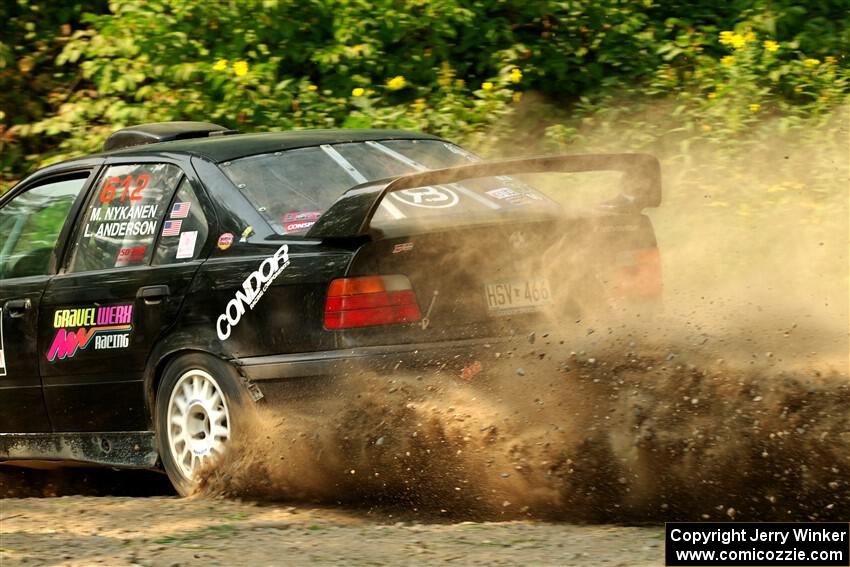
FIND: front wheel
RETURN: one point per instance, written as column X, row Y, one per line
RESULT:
column 199, row 403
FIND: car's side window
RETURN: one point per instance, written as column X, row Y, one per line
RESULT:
column 30, row 225
column 123, row 217
column 184, row 230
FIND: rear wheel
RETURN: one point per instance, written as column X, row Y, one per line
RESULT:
column 199, row 405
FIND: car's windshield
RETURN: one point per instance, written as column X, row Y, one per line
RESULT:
column 292, row 189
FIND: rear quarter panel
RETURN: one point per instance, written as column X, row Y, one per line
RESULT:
column 287, row 318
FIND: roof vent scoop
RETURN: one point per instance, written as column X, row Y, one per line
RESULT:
column 162, row 132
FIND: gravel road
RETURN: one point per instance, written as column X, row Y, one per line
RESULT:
column 167, row 531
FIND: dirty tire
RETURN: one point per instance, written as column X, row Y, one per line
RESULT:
column 200, row 404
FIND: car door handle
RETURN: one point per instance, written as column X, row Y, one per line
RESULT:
column 153, row 293
column 17, row 307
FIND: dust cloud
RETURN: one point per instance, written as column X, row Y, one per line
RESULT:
column 611, row 432
column 733, row 402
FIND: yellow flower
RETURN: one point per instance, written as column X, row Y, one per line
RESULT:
column 396, row 83
column 418, row 104
column 358, row 91
column 220, row 65
column 754, row 107
column 811, row 62
column 358, row 48
column 736, row 40
column 312, row 87
column 771, row 45
column 829, row 60
column 516, row 75
column 727, row 60
column 240, row 68
column 517, row 96
column 487, row 86
column 460, row 83
column 712, row 95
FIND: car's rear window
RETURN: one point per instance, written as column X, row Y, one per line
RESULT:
column 291, row 189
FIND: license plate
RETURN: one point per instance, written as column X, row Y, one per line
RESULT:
column 517, row 295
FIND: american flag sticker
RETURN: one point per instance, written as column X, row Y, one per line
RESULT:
column 171, row 227
column 180, row 210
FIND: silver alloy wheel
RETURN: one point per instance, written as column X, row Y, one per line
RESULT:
column 198, row 421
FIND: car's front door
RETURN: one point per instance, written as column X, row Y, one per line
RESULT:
column 31, row 226
column 133, row 256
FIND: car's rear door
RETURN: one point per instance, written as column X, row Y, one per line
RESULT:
column 32, row 225
column 138, row 243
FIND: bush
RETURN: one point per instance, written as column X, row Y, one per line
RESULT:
column 454, row 68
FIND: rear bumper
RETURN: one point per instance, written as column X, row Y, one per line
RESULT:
column 452, row 354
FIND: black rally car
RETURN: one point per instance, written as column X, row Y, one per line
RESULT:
column 151, row 293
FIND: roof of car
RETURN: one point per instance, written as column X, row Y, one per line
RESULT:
column 225, row 148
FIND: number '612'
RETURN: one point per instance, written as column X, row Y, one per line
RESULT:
column 130, row 188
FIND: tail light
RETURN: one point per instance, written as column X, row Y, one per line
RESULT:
column 639, row 276
column 369, row 301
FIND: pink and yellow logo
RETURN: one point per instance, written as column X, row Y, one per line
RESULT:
column 109, row 327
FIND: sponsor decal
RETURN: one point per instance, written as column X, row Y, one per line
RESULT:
column 298, row 226
column 302, row 216
column 180, row 210
column 105, row 327
column 503, row 193
column 131, row 255
column 511, row 196
column 403, row 247
column 297, row 221
column 186, row 247
column 253, row 289
column 437, row 197
column 171, row 227
column 2, row 352
column 225, row 241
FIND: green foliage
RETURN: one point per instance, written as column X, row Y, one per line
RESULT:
column 32, row 85
column 455, row 68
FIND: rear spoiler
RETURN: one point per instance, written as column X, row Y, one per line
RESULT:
column 351, row 214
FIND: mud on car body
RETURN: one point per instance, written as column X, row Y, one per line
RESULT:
column 154, row 293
